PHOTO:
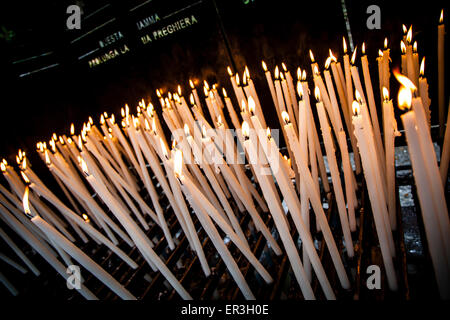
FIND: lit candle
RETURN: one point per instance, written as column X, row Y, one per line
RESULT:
column 445, row 156
column 270, row 84
column 235, row 83
column 290, row 84
column 441, row 72
column 423, row 91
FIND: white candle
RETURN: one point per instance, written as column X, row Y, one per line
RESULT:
column 423, row 91
column 445, row 156
column 441, row 72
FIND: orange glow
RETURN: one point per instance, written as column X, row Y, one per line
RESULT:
column 224, row 93
column 358, row 96
column 247, row 72
column 327, row 62
column 300, row 90
column 72, row 129
column 102, row 119
column 191, row 98
column 402, row 47
column 409, row 35
column 113, row 118
column 441, row 18
column 61, row 140
column 299, row 73
column 91, row 121
column 333, row 58
column 354, row 55
column 245, row 129
column 344, row 45
column 191, row 84
column 281, row 75
column 380, row 53
column 316, row 70
column 385, row 43
column 244, row 79
column 415, row 47
column 285, row 117
column 405, row 30
column 277, row 73
column 85, row 217
column 205, row 91
column 304, row 75
column 47, row 158
column 178, row 163
column 24, row 177
column 158, row 93
column 284, row 67
column 84, row 166
column 404, row 98
column 363, row 49
column 237, row 79
column 179, row 90
column 3, row 166
column 229, row 71
column 205, row 84
column 269, row 134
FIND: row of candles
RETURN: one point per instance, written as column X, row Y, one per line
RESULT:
column 204, row 171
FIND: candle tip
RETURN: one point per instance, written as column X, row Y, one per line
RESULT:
column 264, row 66
column 344, row 45
column 355, row 107
column 385, row 94
column 441, row 18
column 245, row 129
column 311, row 55
column 422, row 67
column 404, row 98
column 26, row 203
column 251, row 105
column 405, row 81
column 317, row 93
column 285, row 117
column 178, row 163
column 354, row 55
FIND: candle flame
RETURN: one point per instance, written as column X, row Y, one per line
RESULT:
column 24, row 177
column 229, row 71
column 206, row 84
column 385, row 94
column 90, row 120
column 102, row 119
column 25, row 202
column 203, row 131
column 415, row 47
column 404, row 98
column 85, row 217
column 409, row 35
column 311, row 55
column 344, row 45
column 385, row 43
column 284, row 67
column 264, row 66
column 317, row 93
column 354, row 55
column 191, row 84
column 441, row 18
column 333, row 58
column 178, row 163
column 300, row 90
column 243, row 106
column 303, row 75
column 205, row 91
column 224, row 93
column 61, row 140
column 380, row 53
column 245, row 130
column 358, row 96
column 299, row 73
column 327, row 63
column 247, row 72
column 219, row 120
column 18, row 158
column 405, row 30
column 277, row 72
column 237, row 79
column 3, row 166
column 47, row 158
column 244, row 79
column 281, row 75
column 158, row 93
column 405, row 81
column 122, row 112
column 251, row 105
column 72, row 129
column 402, row 47
column 105, row 114
column 69, row 140
column 316, row 70
column 179, row 90
column 113, row 118
column 269, row 134
column 84, row 166
column 356, row 108
column 186, row 130
column 363, row 49
column 285, row 117
column 191, row 98
column 422, row 67
column 163, row 148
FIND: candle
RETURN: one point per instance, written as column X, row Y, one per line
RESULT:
column 441, row 74
column 335, row 175
column 423, row 91
column 76, row 253
column 435, row 238
column 235, row 83
column 445, row 156
column 374, row 197
column 270, row 84
column 291, row 88
column 390, row 132
column 316, row 203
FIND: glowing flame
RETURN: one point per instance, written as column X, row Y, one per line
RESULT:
column 316, row 70
column 300, row 90
column 237, row 79
column 219, row 120
column 285, row 117
column 405, row 81
column 24, row 177
column 85, row 217
column 303, row 75
column 385, row 43
column 284, row 67
column 224, row 93
column 205, row 84
column 245, row 129
column 105, row 114
column 299, row 73
column 186, row 129
column 72, row 129
column 354, row 55
column 204, row 131
column 277, row 73
column 380, row 53
column 269, row 134
column 317, row 93
column 24, row 164
column 405, row 30
column 113, row 118
column 191, row 84
column 251, row 105
column 244, row 79
column 264, row 66
column 422, row 67
column 229, row 71
column 3, row 166
column 154, row 125
column 385, row 94
column 84, row 166
column 147, row 126
column 90, row 120
column 102, row 119
column 191, row 99
column 163, row 148
column 281, row 75
column 205, row 91
column 179, row 90
column 69, row 140
column 54, row 136
column 402, row 47
column 247, row 72
column 344, row 45
column 25, row 202
column 178, row 163
column 158, row 93
column 327, row 62
column 127, row 110
column 243, row 106
column 441, row 18
column 358, row 96
column 122, row 112
column 311, row 55
column 363, row 49
column 174, row 144
column 404, row 98
column 356, row 108
column 409, row 35
column 415, row 47
column 333, row 58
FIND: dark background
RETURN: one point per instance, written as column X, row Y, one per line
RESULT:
column 36, row 105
